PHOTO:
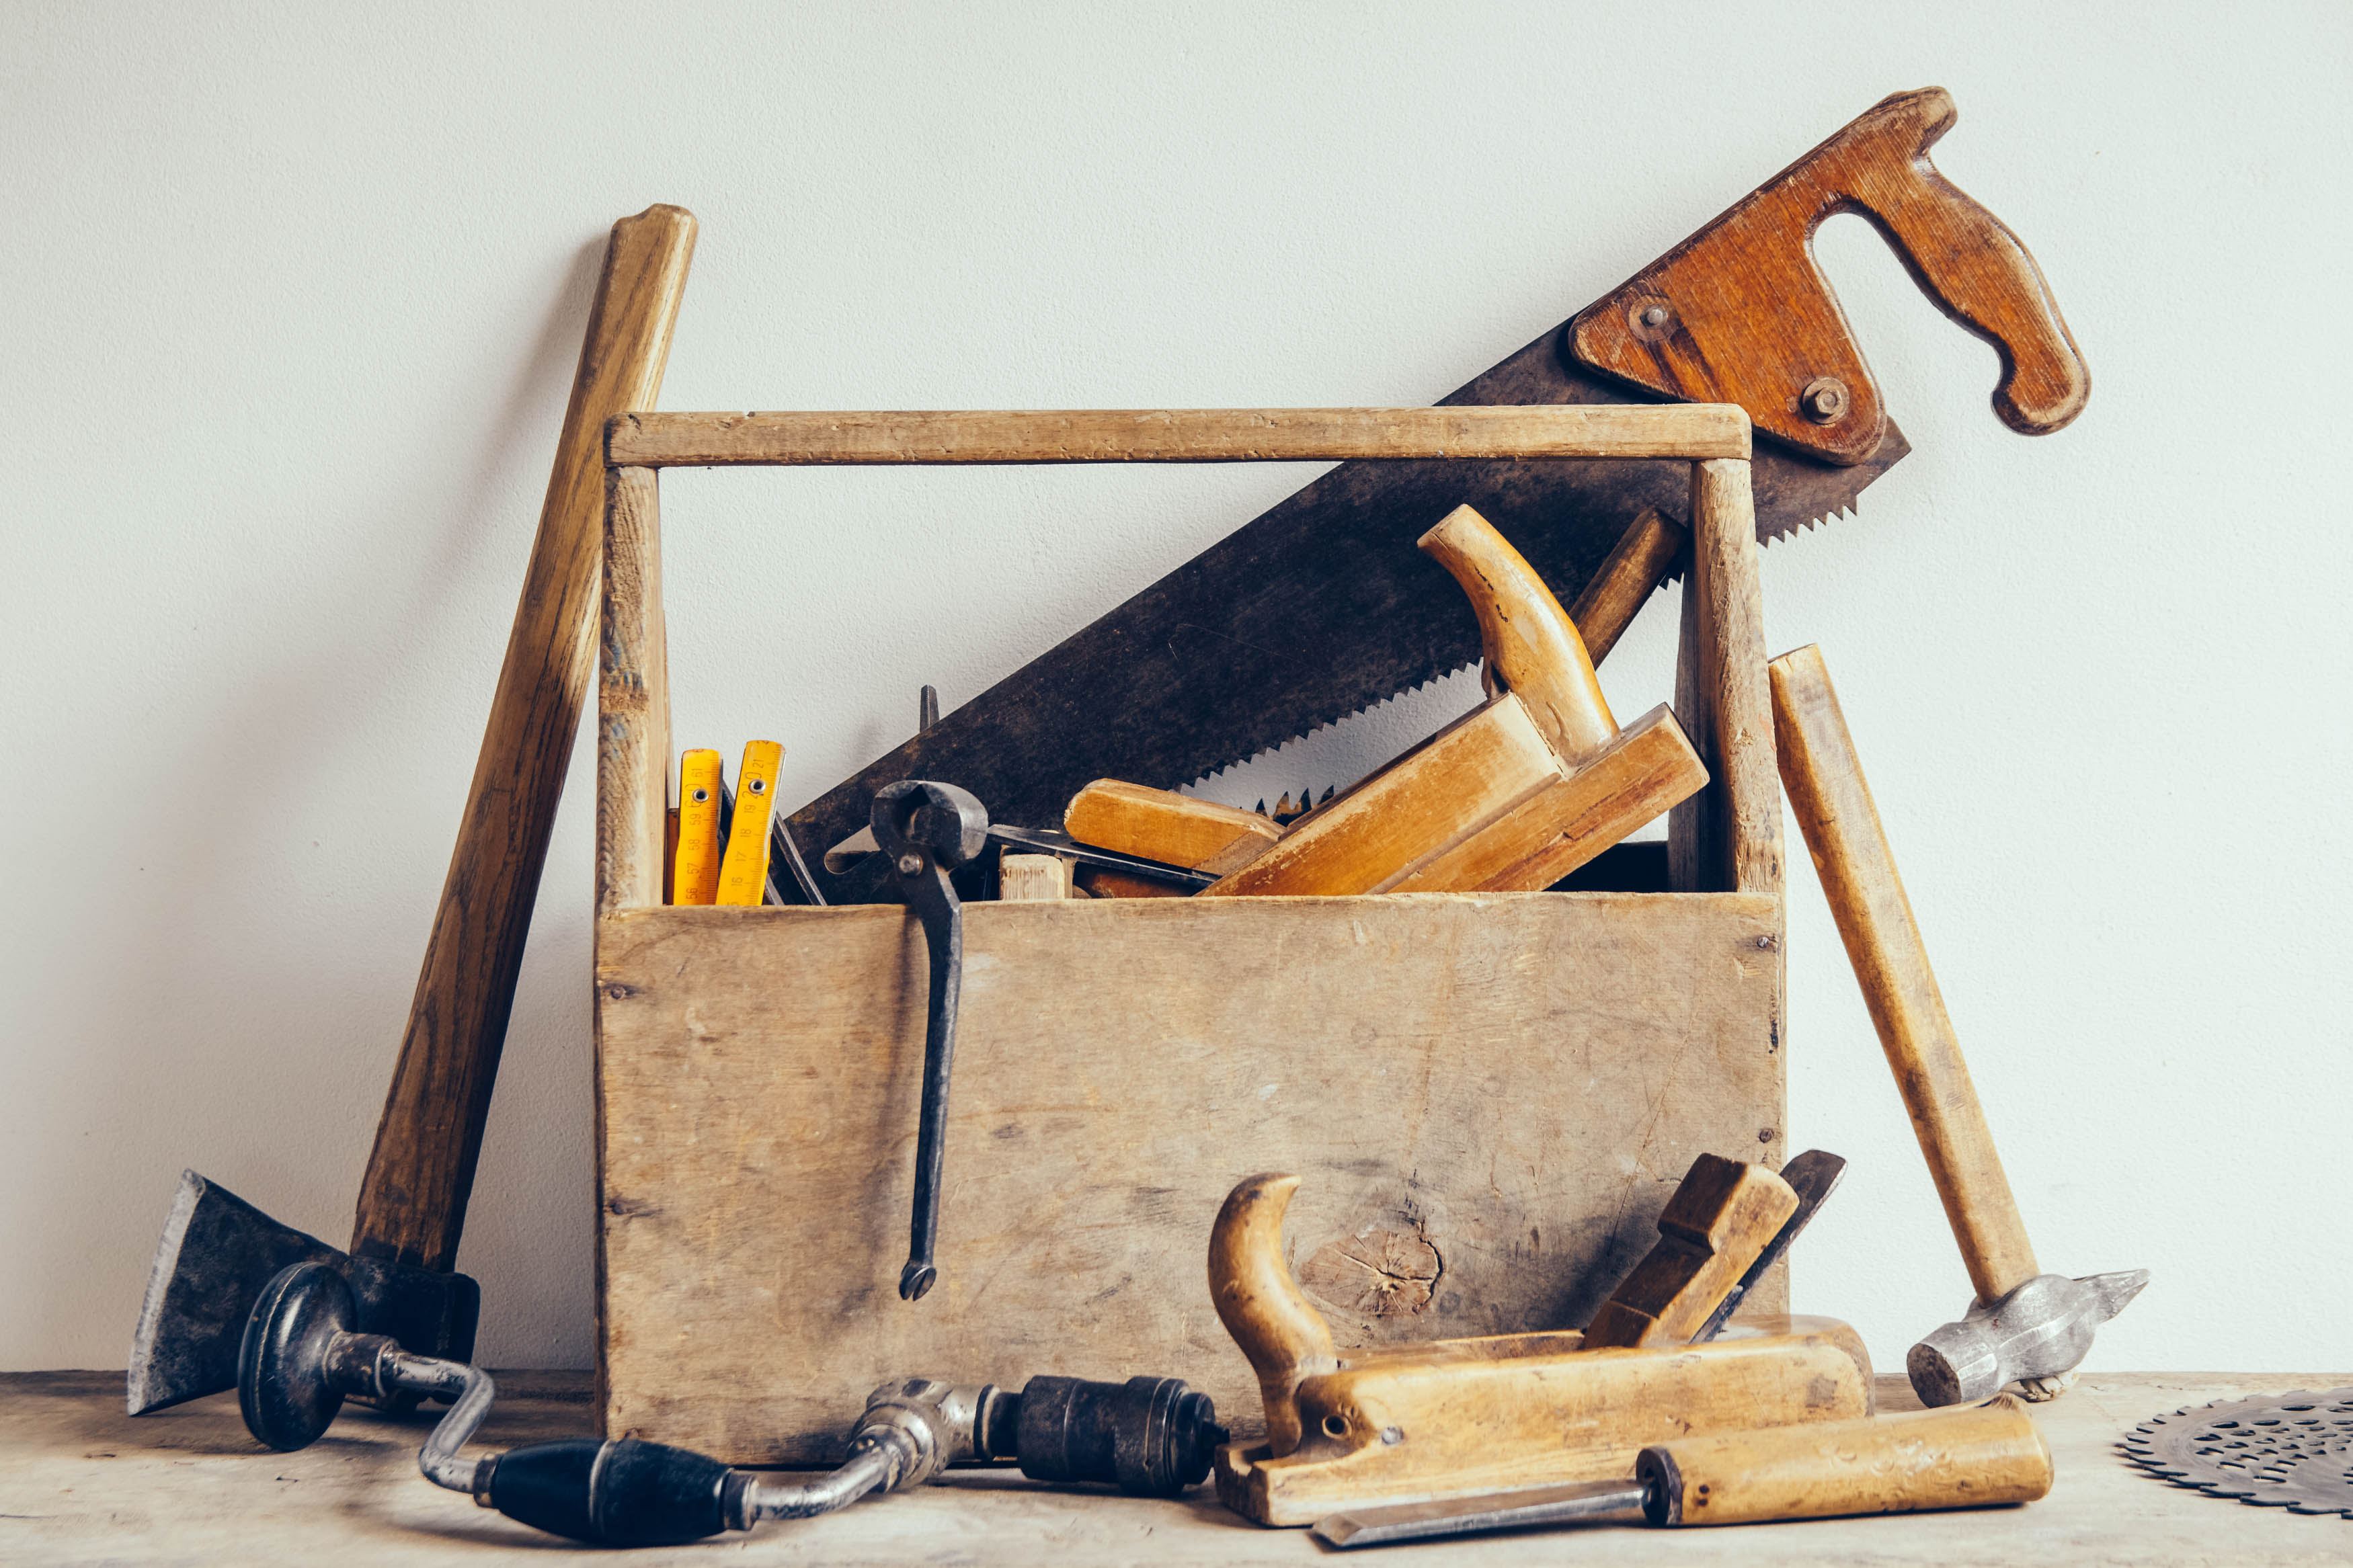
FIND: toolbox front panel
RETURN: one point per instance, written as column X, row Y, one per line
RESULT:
column 1488, row 1097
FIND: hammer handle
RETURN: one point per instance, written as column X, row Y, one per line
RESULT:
column 412, row 1202
column 1975, row 1455
column 1824, row 780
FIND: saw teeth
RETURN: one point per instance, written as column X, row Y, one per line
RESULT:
column 1318, row 728
column 2144, row 1447
column 1819, row 520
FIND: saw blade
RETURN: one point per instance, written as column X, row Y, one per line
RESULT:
column 2290, row 1450
column 1316, row 609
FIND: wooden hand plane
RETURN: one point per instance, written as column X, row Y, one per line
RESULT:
column 1510, row 798
column 1408, row 1423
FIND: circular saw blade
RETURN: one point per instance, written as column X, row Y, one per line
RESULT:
column 2289, row 1450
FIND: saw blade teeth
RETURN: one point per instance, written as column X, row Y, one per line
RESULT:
column 2275, row 1467
column 1411, row 688
column 1819, row 520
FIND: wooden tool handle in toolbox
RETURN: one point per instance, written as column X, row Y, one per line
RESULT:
column 1722, row 1215
column 1161, row 825
column 1970, row 1457
column 1740, row 314
column 1280, row 1334
column 1628, row 576
column 412, row 1202
column 1531, row 646
column 1182, row 830
column 1833, row 806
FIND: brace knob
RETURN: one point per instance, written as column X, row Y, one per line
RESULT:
column 299, row 1358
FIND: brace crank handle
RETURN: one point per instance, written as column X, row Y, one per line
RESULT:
column 612, row 1491
column 1151, row 1436
column 302, row 1357
column 1970, row 264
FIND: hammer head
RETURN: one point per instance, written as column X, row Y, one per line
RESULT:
column 217, row 1254
column 2041, row 1328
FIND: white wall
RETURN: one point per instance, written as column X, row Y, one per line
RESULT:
column 290, row 296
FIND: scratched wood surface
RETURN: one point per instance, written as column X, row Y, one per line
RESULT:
column 1688, row 429
column 1488, row 1099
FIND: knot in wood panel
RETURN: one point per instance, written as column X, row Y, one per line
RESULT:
column 1376, row 1273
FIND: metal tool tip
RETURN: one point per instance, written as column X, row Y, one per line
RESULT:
column 915, row 1279
column 2116, row 1290
column 1336, row 1531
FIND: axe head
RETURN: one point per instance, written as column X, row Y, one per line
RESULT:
column 217, row 1254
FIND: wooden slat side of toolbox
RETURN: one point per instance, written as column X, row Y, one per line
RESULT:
column 1488, row 1099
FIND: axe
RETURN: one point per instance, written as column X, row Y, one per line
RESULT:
column 219, row 1251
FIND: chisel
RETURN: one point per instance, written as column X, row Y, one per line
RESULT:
column 1977, row 1455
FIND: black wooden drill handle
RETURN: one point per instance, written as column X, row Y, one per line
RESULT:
column 614, row 1491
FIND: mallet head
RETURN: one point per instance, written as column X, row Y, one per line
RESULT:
column 218, row 1255
column 2041, row 1329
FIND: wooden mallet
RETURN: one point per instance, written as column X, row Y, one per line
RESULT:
column 2026, row 1327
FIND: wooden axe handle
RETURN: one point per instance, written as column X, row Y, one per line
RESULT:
column 1972, row 1456
column 412, row 1202
column 1824, row 780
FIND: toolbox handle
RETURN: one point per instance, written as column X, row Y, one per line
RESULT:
column 1726, row 838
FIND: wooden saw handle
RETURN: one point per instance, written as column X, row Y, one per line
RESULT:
column 411, row 1203
column 1967, row 1457
column 1832, row 803
column 1740, row 314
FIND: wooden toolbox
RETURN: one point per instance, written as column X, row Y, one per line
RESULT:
column 1489, row 1097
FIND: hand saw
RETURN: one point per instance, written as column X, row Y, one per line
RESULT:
column 1321, row 605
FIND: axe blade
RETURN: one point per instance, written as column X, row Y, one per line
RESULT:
column 216, row 1254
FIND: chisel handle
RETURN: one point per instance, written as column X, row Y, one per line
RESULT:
column 1824, row 780
column 1976, row 1456
column 411, row 1203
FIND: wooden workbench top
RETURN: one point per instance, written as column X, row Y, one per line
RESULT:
column 82, row 1483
